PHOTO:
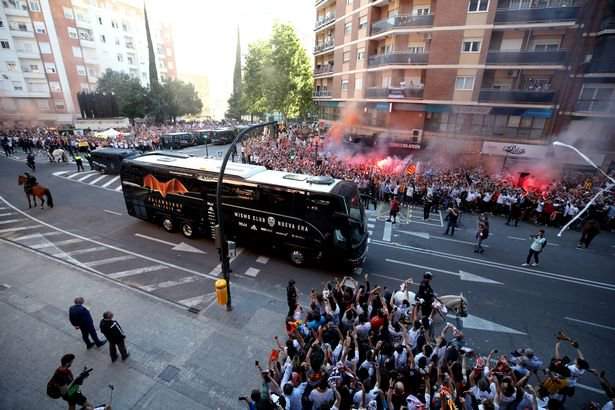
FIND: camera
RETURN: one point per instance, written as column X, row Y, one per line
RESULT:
column 83, row 375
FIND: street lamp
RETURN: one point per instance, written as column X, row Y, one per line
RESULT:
column 220, row 238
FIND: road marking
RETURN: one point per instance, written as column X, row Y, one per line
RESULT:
column 112, row 180
column 138, row 271
column 108, row 260
column 477, row 323
column 586, row 387
column 457, row 241
column 262, row 259
column 80, row 251
column 2, row 208
column 86, row 177
column 370, row 233
column 60, row 173
column 10, row 221
column 370, row 226
column 192, row 302
column 169, row 283
column 37, row 235
column 217, row 270
column 252, row 272
column 590, row 323
column 422, row 235
column 182, row 246
column 19, row 228
column 97, row 179
column 8, row 214
column 441, row 220
column 80, row 173
column 516, row 238
column 50, row 244
column 112, row 212
column 119, row 188
column 372, row 219
column 388, row 228
column 465, row 276
column 498, row 265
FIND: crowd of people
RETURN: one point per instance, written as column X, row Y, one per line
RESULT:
column 549, row 202
column 361, row 347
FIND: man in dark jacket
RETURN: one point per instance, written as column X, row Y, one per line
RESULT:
column 425, row 294
column 291, row 297
column 115, row 335
column 81, row 318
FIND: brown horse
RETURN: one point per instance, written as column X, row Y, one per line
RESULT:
column 36, row 191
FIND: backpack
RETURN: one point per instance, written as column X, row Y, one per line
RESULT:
column 53, row 390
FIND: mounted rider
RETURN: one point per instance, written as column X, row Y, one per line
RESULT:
column 30, row 183
column 425, row 295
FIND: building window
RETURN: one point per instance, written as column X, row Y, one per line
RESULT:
column 45, row 48
column 117, row 41
column 5, row 44
column 72, row 33
column 358, row 84
column 39, row 27
column 361, row 54
column 35, row 6
column 416, row 49
column 120, row 58
column 33, row 68
column 596, row 98
column 114, row 24
column 43, row 105
column 103, row 39
column 55, row 87
column 348, row 27
column 130, row 59
column 344, row 85
column 421, row 11
column 50, row 68
column 17, row 86
column 77, row 52
column 59, row 104
column 546, row 47
column 478, row 5
column 346, row 56
column 68, row 13
column 18, row 26
column 471, row 46
column 80, row 70
column 362, row 22
column 92, row 72
column 124, row 26
column 1, row 23
column 464, row 83
column 11, row 66
column 84, row 87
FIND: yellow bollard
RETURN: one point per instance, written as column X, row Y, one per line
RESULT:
column 221, row 293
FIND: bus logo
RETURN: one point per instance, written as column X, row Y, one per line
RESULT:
column 172, row 186
column 271, row 221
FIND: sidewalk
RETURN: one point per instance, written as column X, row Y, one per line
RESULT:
column 177, row 359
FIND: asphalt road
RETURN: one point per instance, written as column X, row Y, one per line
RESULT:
column 510, row 306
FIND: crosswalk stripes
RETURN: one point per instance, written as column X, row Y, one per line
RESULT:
column 252, row 272
column 108, row 260
column 11, row 221
column 92, row 178
column 7, row 214
column 52, row 244
column 18, row 228
column 197, row 300
column 37, row 235
column 137, row 271
column 79, row 252
column 168, row 284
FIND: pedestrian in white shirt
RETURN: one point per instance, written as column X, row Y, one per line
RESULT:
column 536, row 247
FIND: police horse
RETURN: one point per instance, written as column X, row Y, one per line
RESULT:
column 35, row 191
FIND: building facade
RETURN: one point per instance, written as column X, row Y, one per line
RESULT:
column 52, row 49
column 475, row 71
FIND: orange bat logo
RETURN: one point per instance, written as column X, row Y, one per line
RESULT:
column 173, row 186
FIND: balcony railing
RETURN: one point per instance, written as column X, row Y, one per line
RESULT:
column 596, row 106
column 322, row 93
column 536, row 15
column 527, row 57
column 516, row 96
column 319, row 48
column 395, row 92
column 324, row 21
column 325, row 69
column 397, row 58
column 402, row 22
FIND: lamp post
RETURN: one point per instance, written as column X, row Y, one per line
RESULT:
column 220, row 237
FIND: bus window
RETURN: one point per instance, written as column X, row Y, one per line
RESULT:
column 280, row 202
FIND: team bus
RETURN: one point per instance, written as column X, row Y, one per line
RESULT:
column 306, row 217
column 178, row 140
column 222, row 136
column 109, row 160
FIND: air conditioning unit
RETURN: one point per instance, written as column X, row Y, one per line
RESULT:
column 513, row 73
column 427, row 36
column 417, row 133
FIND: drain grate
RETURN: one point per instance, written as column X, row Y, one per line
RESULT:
column 169, row 373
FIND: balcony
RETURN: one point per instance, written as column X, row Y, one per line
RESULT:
column 595, row 106
column 516, row 96
column 322, row 47
column 536, row 15
column 324, row 69
column 324, row 21
column 322, row 94
column 402, row 22
column 397, row 58
column 395, row 92
column 525, row 57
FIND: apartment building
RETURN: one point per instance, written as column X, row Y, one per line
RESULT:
column 484, row 72
column 52, row 49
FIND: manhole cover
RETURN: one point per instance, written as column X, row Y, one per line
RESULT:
column 169, row 373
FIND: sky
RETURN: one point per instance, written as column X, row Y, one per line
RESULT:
column 205, row 35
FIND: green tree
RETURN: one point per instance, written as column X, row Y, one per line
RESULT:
column 255, row 75
column 289, row 84
column 128, row 91
column 235, row 101
column 180, row 98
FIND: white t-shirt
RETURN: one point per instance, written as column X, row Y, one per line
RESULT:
column 575, row 373
column 608, row 406
column 482, row 394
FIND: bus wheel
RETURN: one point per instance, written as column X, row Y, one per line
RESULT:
column 297, row 257
column 167, row 224
column 187, row 230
